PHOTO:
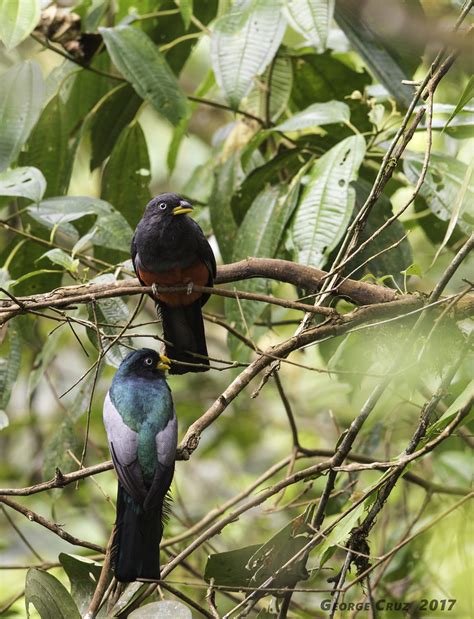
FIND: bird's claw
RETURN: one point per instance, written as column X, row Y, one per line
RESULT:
column 154, row 289
column 190, row 287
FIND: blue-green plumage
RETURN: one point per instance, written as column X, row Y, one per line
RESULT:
column 141, row 428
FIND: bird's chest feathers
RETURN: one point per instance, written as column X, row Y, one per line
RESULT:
column 165, row 247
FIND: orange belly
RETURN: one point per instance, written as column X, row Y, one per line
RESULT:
column 196, row 273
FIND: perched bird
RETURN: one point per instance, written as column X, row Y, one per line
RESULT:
column 170, row 249
column 141, row 426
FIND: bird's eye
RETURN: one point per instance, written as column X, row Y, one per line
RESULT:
column 148, row 361
column 162, row 205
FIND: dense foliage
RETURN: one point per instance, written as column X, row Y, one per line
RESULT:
column 284, row 122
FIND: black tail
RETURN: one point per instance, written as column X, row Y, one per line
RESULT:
column 183, row 327
column 136, row 545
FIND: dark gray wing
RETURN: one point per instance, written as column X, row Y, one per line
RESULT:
column 166, row 442
column 123, row 445
column 204, row 251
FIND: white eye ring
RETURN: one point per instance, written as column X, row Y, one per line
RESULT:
column 148, row 361
column 162, row 205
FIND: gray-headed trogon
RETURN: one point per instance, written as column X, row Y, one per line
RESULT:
column 141, row 426
column 170, row 249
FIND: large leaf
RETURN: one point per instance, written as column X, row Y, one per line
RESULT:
column 227, row 177
column 327, row 202
column 17, row 19
column 21, row 99
column 391, row 262
column 243, row 43
column 465, row 98
column 259, row 235
column 23, row 183
column 461, row 123
column 312, row 19
column 127, row 174
column 379, row 57
column 322, row 77
column 316, row 115
column 252, row 565
column 276, row 83
column 448, row 185
column 64, row 438
column 165, row 609
column 111, row 228
column 113, row 311
column 83, row 575
column 86, row 91
column 48, row 596
column 47, row 147
column 112, row 114
column 10, row 361
column 255, row 237
column 140, row 62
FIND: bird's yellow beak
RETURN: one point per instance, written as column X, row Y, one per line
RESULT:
column 163, row 364
column 183, row 208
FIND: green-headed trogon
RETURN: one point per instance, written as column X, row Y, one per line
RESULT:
column 170, row 249
column 141, row 426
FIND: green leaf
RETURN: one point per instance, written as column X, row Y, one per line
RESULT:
column 316, row 115
column 65, row 438
column 465, row 98
column 339, row 534
column 165, row 609
column 22, row 94
column 448, row 185
column 186, row 9
column 26, row 182
column 227, row 176
column 83, row 575
column 48, row 596
column 255, row 237
column 449, row 414
column 327, row 202
column 60, row 257
column 322, row 77
column 229, row 569
column 461, row 125
column 140, row 62
column 379, row 57
column 112, row 114
column 18, row 18
column 276, row 80
column 87, row 90
column 113, row 311
column 243, row 43
column 10, row 362
column 111, row 229
column 312, row 19
column 48, row 148
column 252, row 565
column 127, row 174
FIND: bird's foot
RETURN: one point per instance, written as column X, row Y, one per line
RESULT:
column 190, row 287
column 154, row 290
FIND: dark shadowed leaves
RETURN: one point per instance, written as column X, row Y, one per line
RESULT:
column 126, row 176
column 112, row 114
column 83, row 575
